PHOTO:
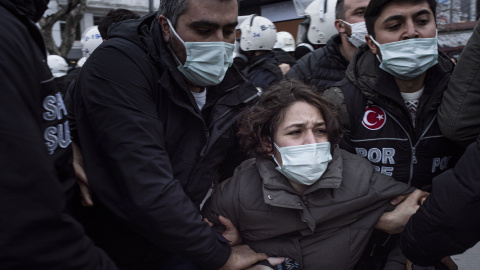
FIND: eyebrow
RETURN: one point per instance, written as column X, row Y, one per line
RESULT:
column 422, row 12
column 297, row 125
column 212, row 24
column 359, row 9
column 399, row 17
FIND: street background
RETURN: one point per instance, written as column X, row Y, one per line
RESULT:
column 470, row 260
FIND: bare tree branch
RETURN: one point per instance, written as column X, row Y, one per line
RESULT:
column 71, row 13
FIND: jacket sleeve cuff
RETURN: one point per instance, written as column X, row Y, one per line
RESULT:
column 219, row 255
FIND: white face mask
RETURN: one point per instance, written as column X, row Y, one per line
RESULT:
column 207, row 62
column 410, row 58
column 304, row 164
column 359, row 31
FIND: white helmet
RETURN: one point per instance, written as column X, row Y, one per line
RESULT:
column 81, row 61
column 257, row 34
column 58, row 65
column 320, row 24
column 91, row 38
column 285, row 42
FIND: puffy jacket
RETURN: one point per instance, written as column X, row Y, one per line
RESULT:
column 322, row 67
column 459, row 110
column 324, row 228
column 448, row 222
column 35, row 231
column 150, row 154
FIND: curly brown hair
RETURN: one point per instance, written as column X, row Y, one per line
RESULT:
column 258, row 124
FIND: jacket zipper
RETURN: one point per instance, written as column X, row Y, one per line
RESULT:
column 413, row 147
column 207, row 133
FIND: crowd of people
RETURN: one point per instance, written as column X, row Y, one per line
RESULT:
column 164, row 151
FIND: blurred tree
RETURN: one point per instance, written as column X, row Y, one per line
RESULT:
column 70, row 12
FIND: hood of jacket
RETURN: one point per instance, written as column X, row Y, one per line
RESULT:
column 376, row 83
column 29, row 12
column 26, row 9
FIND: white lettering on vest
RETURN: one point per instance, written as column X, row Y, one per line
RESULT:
column 54, row 106
column 441, row 163
column 59, row 134
column 376, row 155
column 56, row 136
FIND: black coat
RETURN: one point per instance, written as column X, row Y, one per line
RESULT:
column 263, row 70
column 410, row 153
column 413, row 154
column 448, row 222
column 322, row 67
column 35, row 232
column 150, row 154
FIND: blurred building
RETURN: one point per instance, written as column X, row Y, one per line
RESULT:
column 94, row 13
column 456, row 18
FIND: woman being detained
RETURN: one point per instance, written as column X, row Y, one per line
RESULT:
column 301, row 197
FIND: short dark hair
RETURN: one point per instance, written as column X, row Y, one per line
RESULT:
column 340, row 10
column 113, row 16
column 262, row 120
column 172, row 9
column 375, row 8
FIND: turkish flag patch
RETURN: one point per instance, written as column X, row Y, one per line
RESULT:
column 374, row 117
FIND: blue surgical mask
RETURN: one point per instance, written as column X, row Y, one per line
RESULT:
column 207, row 62
column 359, row 31
column 304, row 164
column 410, row 58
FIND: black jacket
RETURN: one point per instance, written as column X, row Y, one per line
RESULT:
column 459, row 110
column 448, row 222
column 411, row 154
column 394, row 146
column 150, row 154
column 322, row 67
column 35, row 232
column 263, row 70
column 284, row 57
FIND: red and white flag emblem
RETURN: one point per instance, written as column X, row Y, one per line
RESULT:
column 374, row 118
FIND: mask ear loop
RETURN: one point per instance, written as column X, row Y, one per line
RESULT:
column 378, row 45
column 175, row 33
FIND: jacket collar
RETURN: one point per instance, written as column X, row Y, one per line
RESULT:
column 277, row 191
column 233, row 81
column 375, row 82
column 146, row 33
column 274, row 180
column 333, row 48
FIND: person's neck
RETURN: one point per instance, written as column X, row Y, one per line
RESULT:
column 346, row 48
column 411, row 86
